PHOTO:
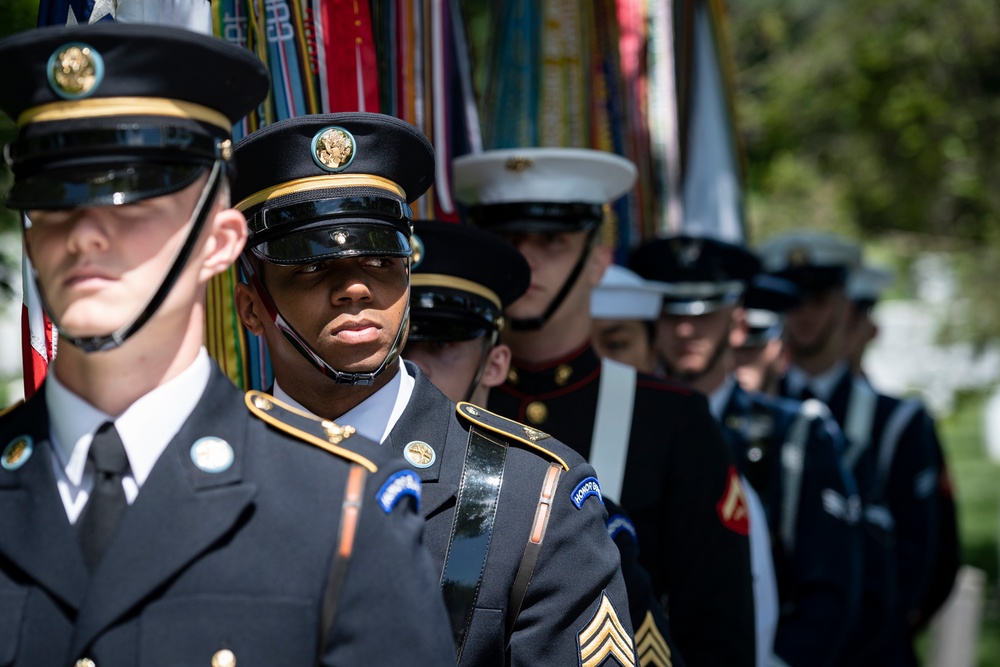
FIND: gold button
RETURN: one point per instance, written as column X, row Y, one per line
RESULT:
column 563, row 373
column 512, row 376
column 85, row 662
column 537, row 412
column 224, row 658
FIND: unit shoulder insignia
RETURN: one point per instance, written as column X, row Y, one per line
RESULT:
column 521, row 434
column 605, row 641
column 322, row 433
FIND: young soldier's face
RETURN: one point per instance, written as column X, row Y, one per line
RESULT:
column 450, row 366
column 551, row 257
column 347, row 310
column 690, row 345
column 817, row 322
column 625, row 341
column 98, row 267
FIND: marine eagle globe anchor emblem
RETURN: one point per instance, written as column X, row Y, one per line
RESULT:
column 333, row 148
column 75, row 71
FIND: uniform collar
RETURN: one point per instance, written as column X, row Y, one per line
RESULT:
column 146, row 427
column 375, row 416
column 559, row 374
column 821, row 386
column 719, row 399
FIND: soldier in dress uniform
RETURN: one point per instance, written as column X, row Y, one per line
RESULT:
column 865, row 287
column 459, row 287
column 888, row 446
column 654, row 444
column 789, row 451
column 763, row 358
column 150, row 514
column 624, row 308
column 515, row 521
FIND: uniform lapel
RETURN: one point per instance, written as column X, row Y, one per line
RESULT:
column 35, row 534
column 179, row 513
column 427, row 418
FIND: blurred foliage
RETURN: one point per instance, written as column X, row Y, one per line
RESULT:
column 879, row 119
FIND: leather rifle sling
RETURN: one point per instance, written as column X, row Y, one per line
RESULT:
column 350, row 514
column 532, row 549
column 471, row 531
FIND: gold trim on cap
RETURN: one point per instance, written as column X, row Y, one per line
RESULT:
column 123, row 106
column 453, row 282
column 320, row 183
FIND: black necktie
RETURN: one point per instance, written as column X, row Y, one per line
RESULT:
column 107, row 503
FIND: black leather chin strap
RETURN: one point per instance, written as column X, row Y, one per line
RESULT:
column 535, row 323
column 123, row 333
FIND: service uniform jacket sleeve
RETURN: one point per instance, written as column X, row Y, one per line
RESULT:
column 389, row 611
column 820, row 601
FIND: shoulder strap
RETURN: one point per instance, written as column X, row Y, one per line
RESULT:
column 613, row 426
column 472, row 530
column 793, row 456
column 858, row 421
column 532, row 549
column 350, row 513
column 894, row 427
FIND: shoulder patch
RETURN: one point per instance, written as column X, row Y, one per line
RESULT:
column 322, row 433
column 604, row 640
column 519, row 433
column 619, row 523
column 585, row 489
column 732, row 506
column 400, row 484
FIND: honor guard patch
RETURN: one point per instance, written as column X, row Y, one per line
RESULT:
column 400, row 484
column 732, row 507
column 605, row 641
column 621, row 524
column 650, row 644
column 585, row 489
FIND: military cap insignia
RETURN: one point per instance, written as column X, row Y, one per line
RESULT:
column 224, row 658
column 518, row 163
column 650, row 644
column 798, row 256
column 75, row 71
column 688, row 252
column 605, row 641
column 585, row 489
column 419, row 454
column 732, row 506
column 212, row 455
column 399, row 485
column 17, row 452
column 333, row 148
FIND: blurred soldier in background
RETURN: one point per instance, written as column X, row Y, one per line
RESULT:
column 888, row 447
column 653, row 443
column 624, row 309
column 455, row 326
column 789, row 451
column 763, row 358
column 149, row 512
column 528, row 571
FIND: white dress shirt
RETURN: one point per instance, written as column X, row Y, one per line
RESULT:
column 146, row 428
column 375, row 416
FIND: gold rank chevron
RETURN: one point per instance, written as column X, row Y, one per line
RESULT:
column 653, row 649
column 604, row 638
